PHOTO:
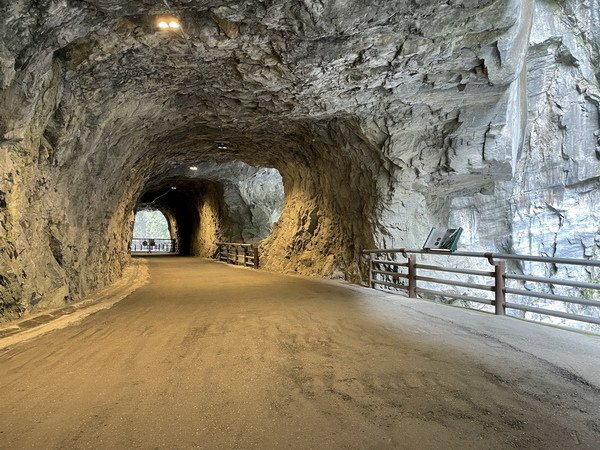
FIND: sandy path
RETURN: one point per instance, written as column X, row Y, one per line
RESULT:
column 212, row 356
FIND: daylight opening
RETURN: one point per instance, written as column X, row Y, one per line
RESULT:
column 151, row 233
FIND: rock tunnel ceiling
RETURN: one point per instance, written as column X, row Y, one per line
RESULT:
column 382, row 118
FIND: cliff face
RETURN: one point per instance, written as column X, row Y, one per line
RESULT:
column 549, row 205
column 381, row 118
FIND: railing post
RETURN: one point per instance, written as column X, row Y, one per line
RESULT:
column 371, row 268
column 256, row 262
column 245, row 256
column 412, row 276
column 499, row 286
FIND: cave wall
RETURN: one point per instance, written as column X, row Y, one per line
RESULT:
column 381, row 119
column 457, row 141
column 209, row 230
column 554, row 198
column 328, row 216
column 549, row 206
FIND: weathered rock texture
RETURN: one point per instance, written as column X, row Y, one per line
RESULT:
column 382, row 118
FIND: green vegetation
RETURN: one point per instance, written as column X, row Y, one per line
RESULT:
column 151, row 224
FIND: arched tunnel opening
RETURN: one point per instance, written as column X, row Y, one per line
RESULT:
column 152, row 232
column 126, row 114
column 151, row 223
column 208, row 203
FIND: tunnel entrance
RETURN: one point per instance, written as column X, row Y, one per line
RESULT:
column 205, row 203
column 152, row 233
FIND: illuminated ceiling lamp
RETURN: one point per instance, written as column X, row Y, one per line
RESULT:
column 169, row 24
column 221, row 144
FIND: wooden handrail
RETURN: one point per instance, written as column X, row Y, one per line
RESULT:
column 248, row 257
column 389, row 277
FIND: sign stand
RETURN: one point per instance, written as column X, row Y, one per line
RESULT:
column 443, row 239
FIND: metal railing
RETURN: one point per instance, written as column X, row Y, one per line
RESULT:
column 153, row 245
column 409, row 275
column 238, row 254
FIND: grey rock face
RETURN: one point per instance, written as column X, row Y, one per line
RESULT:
column 381, row 118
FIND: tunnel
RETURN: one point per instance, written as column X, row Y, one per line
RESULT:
column 311, row 131
column 109, row 150
column 351, row 125
column 213, row 202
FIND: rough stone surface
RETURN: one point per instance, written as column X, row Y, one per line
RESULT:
column 382, row 118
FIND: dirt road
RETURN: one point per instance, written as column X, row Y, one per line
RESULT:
column 212, row 356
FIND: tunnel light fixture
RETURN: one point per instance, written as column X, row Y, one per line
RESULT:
column 170, row 24
column 222, row 145
column 194, row 168
column 173, row 188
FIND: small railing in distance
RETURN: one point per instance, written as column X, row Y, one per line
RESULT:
column 385, row 270
column 153, row 245
column 238, row 254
